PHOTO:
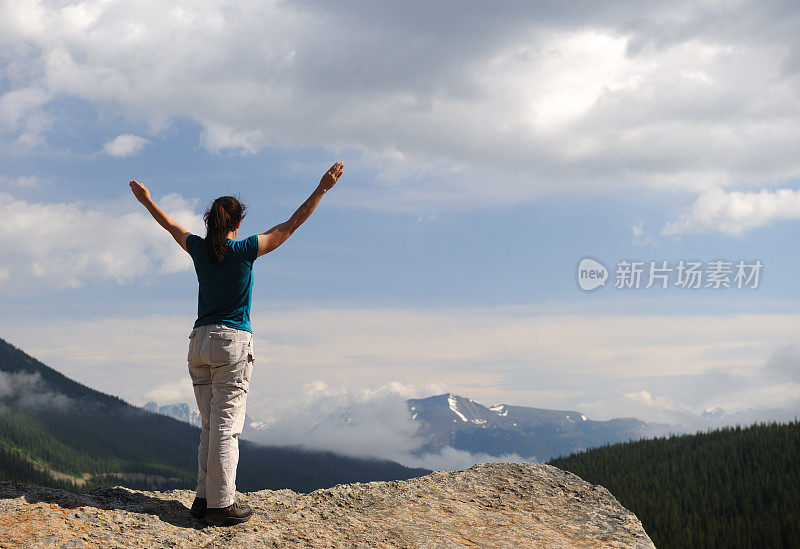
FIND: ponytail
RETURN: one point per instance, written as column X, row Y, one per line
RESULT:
column 222, row 217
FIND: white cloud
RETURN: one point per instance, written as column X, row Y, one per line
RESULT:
column 784, row 396
column 733, row 213
column 380, row 420
column 172, row 392
column 378, row 425
column 313, row 362
column 784, row 365
column 769, row 391
column 125, row 145
column 452, row 459
column 68, row 244
column 22, row 116
column 606, row 97
column 642, row 237
column 22, row 182
column 642, row 405
column 517, row 355
column 29, row 391
column 758, row 401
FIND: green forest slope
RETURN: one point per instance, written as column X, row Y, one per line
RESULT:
column 735, row 487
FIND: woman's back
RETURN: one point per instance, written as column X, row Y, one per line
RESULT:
column 225, row 289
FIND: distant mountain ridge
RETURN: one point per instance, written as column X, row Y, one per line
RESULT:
column 181, row 412
column 188, row 413
column 501, row 429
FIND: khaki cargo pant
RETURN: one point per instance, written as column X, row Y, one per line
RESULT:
column 220, row 363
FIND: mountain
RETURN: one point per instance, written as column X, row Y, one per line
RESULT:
column 461, row 423
column 537, row 433
column 188, row 413
column 181, row 412
column 714, row 418
column 64, row 434
column 451, row 420
column 503, row 429
column 733, row 487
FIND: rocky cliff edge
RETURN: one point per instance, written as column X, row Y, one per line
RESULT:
column 501, row 504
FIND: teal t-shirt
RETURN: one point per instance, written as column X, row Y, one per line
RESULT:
column 226, row 289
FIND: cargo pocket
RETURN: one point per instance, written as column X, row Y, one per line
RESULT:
column 193, row 351
column 227, row 347
column 249, row 368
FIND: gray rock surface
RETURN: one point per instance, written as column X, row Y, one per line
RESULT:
column 502, row 504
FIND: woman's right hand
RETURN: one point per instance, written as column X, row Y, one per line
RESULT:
column 140, row 191
column 331, row 176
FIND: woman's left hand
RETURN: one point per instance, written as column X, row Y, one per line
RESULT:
column 331, row 176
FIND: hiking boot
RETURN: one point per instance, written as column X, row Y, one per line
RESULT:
column 235, row 513
column 198, row 509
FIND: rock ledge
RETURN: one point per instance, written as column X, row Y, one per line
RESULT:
column 502, row 504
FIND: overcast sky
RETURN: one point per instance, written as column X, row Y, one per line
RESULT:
column 487, row 150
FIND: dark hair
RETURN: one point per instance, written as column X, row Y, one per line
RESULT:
column 222, row 217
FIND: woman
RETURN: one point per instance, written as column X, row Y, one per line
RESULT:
column 221, row 342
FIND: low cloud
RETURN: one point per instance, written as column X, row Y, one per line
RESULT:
column 605, row 365
column 29, row 391
column 641, row 405
column 125, row 145
column 716, row 397
column 70, row 244
column 733, row 213
column 378, row 424
column 371, row 422
column 764, row 403
column 548, row 360
column 173, row 392
column 785, row 364
column 452, row 459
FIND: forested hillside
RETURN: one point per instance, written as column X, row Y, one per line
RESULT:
column 735, row 487
column 57, row 432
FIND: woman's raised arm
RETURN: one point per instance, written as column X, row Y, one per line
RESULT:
column 278, row 234
column 178, row 231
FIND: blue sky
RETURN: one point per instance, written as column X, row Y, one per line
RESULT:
column 486, row 153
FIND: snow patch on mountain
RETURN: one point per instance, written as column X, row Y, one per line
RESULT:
column 451, row 401
column 499, row 409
